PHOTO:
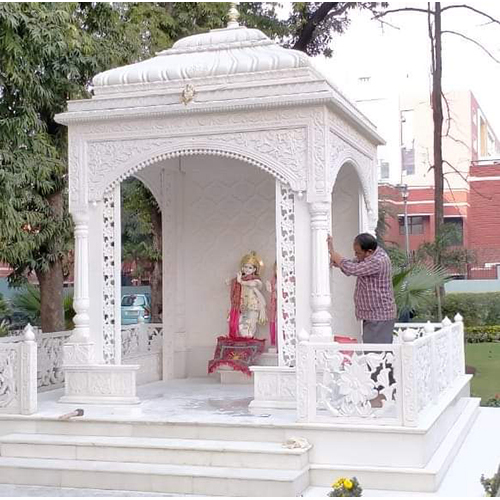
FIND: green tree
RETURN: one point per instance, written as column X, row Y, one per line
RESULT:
column 48, row 53
column 142, row 237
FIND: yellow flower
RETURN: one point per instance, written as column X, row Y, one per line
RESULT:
column 348, row 484
column 339, row 482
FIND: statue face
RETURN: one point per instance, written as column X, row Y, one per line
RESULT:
column 248, row 269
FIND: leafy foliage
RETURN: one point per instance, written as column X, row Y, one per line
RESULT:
column 493, row 402
column 386, row 212
column 477, row 308
column 4, row 307
column 4, row 310
column 414, row 286
column 491, row 485
column 137, row 239
column 28, row 302
column 312, row 25
column 453, row 257
column 480, row 334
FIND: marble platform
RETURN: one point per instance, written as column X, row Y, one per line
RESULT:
column 202, row 418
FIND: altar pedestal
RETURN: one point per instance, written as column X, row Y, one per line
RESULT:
column 236, row 355
column 229, row 376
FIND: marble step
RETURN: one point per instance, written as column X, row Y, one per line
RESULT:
column 425, row 479
column 232, row 454
column 258, row 428
column 159, row 478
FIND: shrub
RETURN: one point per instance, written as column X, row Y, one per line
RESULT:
column 476, row 308
column 491, row 485
column 478, row 334
column 492, row 402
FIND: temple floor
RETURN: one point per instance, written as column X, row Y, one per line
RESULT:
column 181, row 400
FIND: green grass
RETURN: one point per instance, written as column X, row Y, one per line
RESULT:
column 485, row 358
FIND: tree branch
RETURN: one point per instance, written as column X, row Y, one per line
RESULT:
column 382, row 23
column 405, row 9
column 458, row 141
column 431, row 37
column 317, row 18
column 449, row 187
column 466, row 180
column 463, row 6
column 448, row 120
column 473, row 41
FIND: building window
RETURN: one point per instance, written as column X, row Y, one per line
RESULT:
column 407, row 142
column 408, row 160
column 415, row 224
column 455, row 230
column 384, row 169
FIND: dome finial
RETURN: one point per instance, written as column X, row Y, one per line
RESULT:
column 233, row 15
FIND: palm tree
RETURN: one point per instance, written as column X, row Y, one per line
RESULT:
column 4, row 311
column 414, row 286
column 28, row 302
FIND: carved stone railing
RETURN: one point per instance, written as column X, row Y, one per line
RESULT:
column 380, row 383
column 142, row 344
column 50, row 374
column 18, row 362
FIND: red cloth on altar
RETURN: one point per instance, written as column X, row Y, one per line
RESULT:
column 239, row 354
column 341, row 339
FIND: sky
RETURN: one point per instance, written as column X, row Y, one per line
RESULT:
column 403, row 52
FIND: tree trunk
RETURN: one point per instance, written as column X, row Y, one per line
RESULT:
column 156, row 274
column 437, row 115
column 51, row 298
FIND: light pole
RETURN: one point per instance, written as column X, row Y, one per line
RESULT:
column 404, row 194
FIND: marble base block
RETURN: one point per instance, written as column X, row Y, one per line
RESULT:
column 274, row 387
column 100, row 384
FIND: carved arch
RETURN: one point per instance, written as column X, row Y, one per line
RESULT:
column 366, row 181
column 283, row 156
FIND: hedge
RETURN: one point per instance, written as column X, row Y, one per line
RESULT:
column 487, row 333
column 476, row 308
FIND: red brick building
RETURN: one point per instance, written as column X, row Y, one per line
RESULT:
column 476, row 214
column 471, row 151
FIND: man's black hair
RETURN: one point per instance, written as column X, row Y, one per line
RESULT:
column 366, row 241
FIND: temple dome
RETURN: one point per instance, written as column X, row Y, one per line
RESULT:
column 218, row 53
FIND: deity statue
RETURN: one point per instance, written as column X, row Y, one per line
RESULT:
column 273, row 306
column 248, row 306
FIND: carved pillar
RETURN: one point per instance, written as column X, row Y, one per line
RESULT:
column 321, row 319
column 85, row 379
column 79, row 348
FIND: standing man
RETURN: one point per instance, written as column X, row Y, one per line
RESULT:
column 374, row 295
